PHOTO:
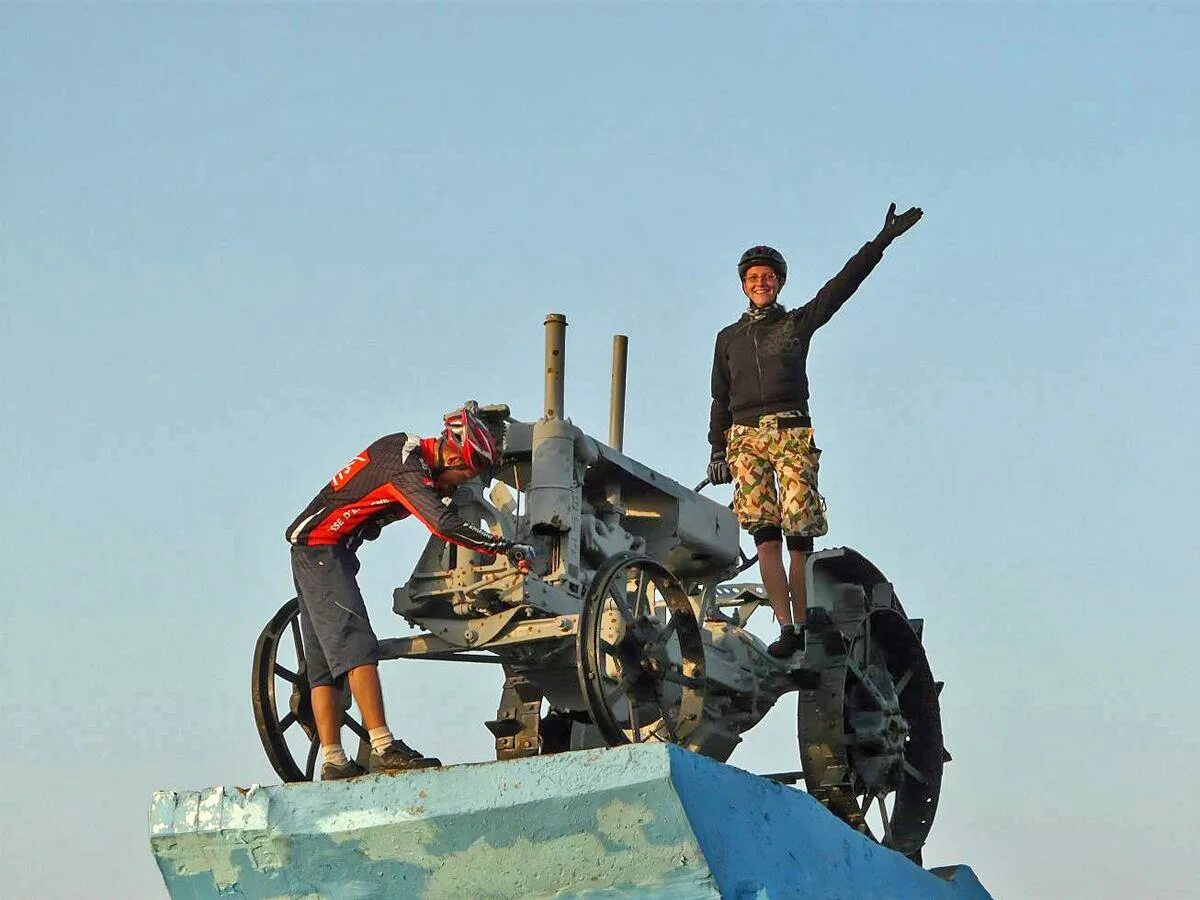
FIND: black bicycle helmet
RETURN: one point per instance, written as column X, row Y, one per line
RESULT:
column 763, row 255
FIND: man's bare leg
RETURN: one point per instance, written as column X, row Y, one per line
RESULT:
column 327, row 711
column 363, row 682
column 327, row 704
column 797, row 583
column 388, row 754
column 775, row 580
column 770, row 567
column 368, row 694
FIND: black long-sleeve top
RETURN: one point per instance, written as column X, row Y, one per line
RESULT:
column 759, row 365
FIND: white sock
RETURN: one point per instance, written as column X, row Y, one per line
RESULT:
column 334, row 754
column 381, row 738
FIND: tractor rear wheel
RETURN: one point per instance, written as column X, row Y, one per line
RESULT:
column 282, row 700
column 871, row 733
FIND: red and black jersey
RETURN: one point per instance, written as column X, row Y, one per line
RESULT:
column 388, row 481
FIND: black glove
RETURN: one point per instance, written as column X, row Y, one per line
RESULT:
column 895, row 225
column 718, row 468
column 521, row 556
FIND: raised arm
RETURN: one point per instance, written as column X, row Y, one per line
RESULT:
column 841, row 287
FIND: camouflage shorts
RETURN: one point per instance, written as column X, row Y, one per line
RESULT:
column 763, row 456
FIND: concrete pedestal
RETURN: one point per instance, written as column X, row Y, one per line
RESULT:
column 646, row 820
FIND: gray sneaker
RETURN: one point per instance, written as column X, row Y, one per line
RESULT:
column 399, row 757
column 331, row 772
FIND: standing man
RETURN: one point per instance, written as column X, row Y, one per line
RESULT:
column 395, row 477
column 759, row 427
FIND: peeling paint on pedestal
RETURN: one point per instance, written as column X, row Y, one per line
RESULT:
column 650, row 820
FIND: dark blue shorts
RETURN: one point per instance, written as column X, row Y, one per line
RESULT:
column 334, row 624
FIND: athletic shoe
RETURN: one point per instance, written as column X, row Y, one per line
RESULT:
column 331, row 772
column 399, row 757
column 790, row 641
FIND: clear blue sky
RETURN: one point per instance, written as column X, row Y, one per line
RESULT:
column 237, row 244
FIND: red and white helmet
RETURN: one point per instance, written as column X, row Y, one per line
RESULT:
column 466, row 433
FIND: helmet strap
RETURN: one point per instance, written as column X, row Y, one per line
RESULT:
column 439, row 465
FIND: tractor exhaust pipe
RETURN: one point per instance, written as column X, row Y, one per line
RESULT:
column 616, row 404
column 556, row 339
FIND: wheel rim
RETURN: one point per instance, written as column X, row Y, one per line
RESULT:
column 641, row 655
column 282, row 700
column 871, row 735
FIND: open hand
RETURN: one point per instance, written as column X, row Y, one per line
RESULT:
column 895, row 225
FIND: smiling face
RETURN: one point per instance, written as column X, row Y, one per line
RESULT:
column 761, row 285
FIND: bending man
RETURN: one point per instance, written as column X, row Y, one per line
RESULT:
column 395, row 477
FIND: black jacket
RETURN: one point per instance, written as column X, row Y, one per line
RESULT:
column 759, row 366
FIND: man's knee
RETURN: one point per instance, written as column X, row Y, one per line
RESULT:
column 322, row 677
column 765, row 534
column 799, row 543
column 356, row 652
column 337, row 685
column 362, row 670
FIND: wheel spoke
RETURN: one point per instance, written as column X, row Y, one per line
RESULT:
column 866, row 682
column 903, row 682
column 668, row 630
column 310, row 767
column 655, row 602
column 354, row 725
column 640, row 598
column 286, row 674
column 287, row 721
column 887, row 821
column 296, row 638
column 666, row 718
column 676, row 676
column 620, row 600
column 914, row 773
column 622, row 687
column 659, row 644
column 633, row 721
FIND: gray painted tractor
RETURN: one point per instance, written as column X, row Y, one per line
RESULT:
column 631, row 629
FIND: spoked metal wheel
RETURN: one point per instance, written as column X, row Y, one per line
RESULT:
column 641, row 655
column 871, row 735
column 283, row 702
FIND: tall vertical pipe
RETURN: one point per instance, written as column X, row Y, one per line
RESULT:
column 556, row 340
column 616, row 403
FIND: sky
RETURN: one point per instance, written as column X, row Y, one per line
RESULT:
column 238, row 243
